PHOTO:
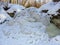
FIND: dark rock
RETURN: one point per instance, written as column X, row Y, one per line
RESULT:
column 44, row 11
column 3, row 21
column 56, row 0
column 12, row 14
column 6, row 8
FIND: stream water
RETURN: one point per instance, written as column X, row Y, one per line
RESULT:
column 52, row 30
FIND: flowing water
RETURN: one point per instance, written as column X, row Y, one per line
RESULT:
column 52, row 30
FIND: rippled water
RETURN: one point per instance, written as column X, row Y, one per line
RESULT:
column 52, row 30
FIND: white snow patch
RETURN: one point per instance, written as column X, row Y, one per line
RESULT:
column 47, row 6
column 4, row 16
column 15, row 7
column 54, row 9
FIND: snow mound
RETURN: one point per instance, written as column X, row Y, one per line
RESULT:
column 23, row 30
column 23, row 33
column 15, row 7
column 30, row 14
column 54, row 9
column 4, row 16
column 47, row 6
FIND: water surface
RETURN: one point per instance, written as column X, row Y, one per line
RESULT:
column 52, row 30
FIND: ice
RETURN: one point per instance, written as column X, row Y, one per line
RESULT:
column 32, row 15
column 2, row 18
column 3, row 4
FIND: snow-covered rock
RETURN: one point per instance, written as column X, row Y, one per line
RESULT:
column 4, row 16
column 31, row 13
column 47, row 6
column 54, row 9
column 45, row 19
column 15, row 7
column 3, row 4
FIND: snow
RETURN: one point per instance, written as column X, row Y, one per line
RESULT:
column 15, row 7
column 3, row 4
column 23, row 33
column 33, row 15
column 28, row 26
column 30, row 13
column 54, row 9
column 55, row 40
column 4, row 16
column 47, row 6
